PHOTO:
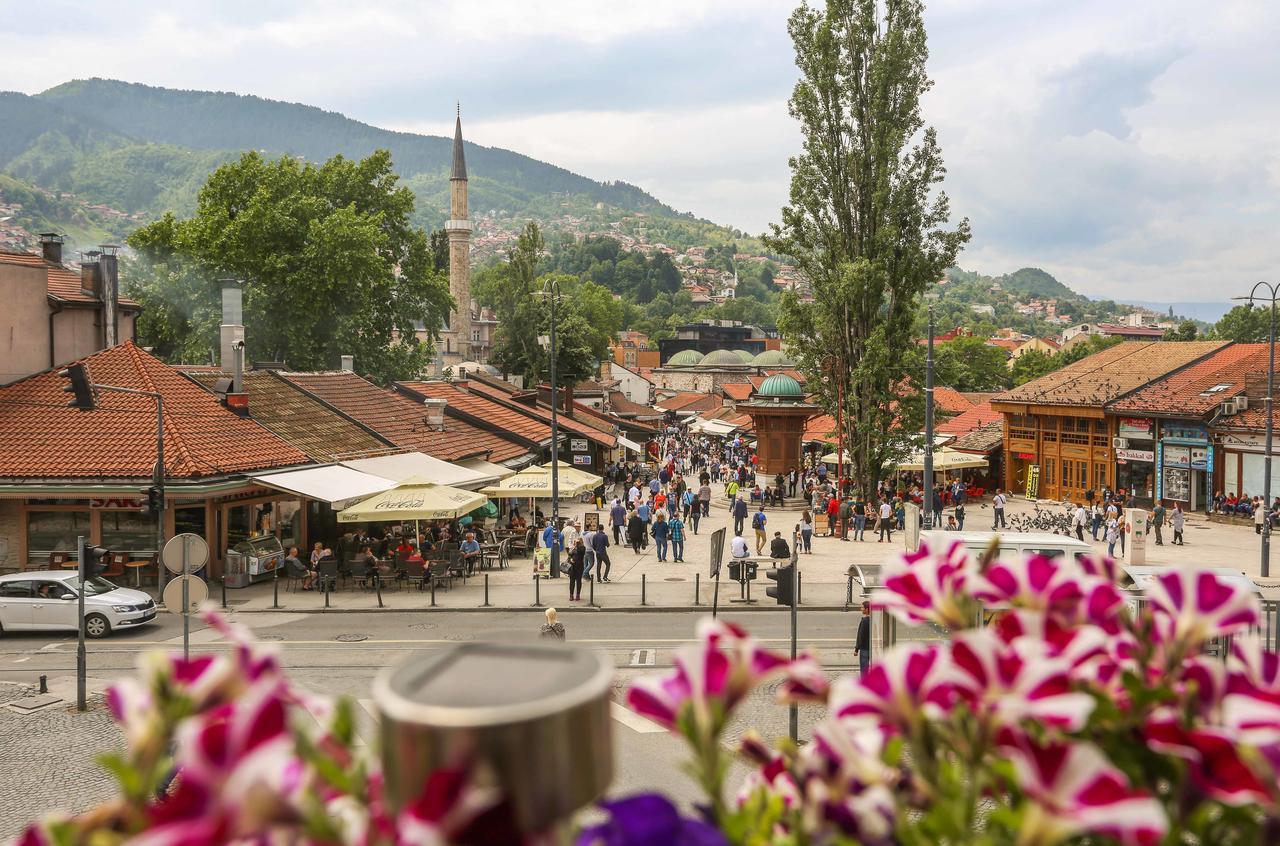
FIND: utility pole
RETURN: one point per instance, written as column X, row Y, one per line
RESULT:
column 82, row 661
column 927, row 511
column 1272, row 293
column 551, row 289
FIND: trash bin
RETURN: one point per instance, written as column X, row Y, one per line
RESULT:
column 235, row 570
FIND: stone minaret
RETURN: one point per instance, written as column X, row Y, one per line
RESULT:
column 458, row 336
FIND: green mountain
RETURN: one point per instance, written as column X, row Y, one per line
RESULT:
column 1036, row 283
column 144, row 149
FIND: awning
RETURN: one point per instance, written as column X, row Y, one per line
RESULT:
column 414, row 500
column 494, row 471
column 335, row 484
column 630, row 444
column 535, row 483
column 714, row 427
column 416, row 465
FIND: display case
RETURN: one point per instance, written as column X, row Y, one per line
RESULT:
column 254, row 559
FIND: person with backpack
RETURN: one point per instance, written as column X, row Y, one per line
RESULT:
column 675, row 526
column 758, row 522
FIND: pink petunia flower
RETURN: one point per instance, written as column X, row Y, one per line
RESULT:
column 905, row 686
column 1190, row 607
column 929, row 587
column 1008, row 683
column 1074, row 790
column 1215, row 761
column 805, row 681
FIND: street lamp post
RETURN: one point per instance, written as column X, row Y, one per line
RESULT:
column 551, row 290
column 1270, row 293
column 927, row 511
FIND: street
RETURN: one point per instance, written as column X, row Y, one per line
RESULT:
column 340, row 654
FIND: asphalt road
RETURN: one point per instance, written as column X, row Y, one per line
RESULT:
column 340, row 655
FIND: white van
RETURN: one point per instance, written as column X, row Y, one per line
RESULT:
column 1012, row 544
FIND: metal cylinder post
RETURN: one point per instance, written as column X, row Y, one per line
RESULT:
column 377, row 586
column 433, row 593
column 486, row 590
column 642, row 589
column 697, row 585
column 537, row 593
column 224, row 592
column 326, row 593
column 275, row 588
column 799, row 587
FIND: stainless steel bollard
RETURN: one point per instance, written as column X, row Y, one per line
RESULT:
column 531, row 720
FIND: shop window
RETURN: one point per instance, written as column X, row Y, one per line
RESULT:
column 287, row 522
column 130, row 532
column 190, row 520
column 1049, row 473
column 54, row 531
column 239, row 524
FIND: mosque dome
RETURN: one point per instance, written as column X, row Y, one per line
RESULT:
column 722, row 358
column 773, row 358
column 745, row 355
column 685, row 358
column 780, row 386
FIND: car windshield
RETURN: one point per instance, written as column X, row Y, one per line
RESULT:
column 93, row 585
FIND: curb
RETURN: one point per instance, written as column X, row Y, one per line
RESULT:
column 560, row 609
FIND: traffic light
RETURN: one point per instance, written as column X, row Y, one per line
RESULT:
column 96, row 559
column 154, row 504
column 80, row 388
column 784, row 590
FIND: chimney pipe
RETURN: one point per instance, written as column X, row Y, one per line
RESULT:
column 51, row 247
column 349, row 363
column 90, row 273
column 568, row 400
column 109, row 269
column 231, row 331
column 435, row 413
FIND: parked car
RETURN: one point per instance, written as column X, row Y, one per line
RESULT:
column 48, row 600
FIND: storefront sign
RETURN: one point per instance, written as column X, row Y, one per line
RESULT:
column 1183, row 432
column 1033, row 481
column 1135, row 455
column 1177, row 456
column 579, row 445
column 117, row 502
column 1135, row 427
column 1177, row 485
column 582, row 459
column 1025, row 456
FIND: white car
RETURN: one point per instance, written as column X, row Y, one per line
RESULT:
column 48, row 600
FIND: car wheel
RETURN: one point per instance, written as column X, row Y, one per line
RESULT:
column 96, row 626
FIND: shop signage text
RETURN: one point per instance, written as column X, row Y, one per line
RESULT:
column 1135, row 455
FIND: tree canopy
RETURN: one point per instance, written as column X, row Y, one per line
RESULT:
column 971, row 364
column 330, row 265
column 1244, row 324
column 866, row 218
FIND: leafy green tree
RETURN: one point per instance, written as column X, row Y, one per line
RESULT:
column 1084, row 349
column 1244, row 324
column 866, row 217
column 329, row 260
column 971, row 364
column 587, row 315
column 1184, row 331
column 1032, row 364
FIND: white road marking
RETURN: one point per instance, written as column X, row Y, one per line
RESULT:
column 643, row 657
column 21, row 660
column 632, row 720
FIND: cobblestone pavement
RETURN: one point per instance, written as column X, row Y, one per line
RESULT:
column 48, row 759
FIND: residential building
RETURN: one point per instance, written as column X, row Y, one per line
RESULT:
column 628, row 381
column 55, row 314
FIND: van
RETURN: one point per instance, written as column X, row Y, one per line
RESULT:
column 1013, row 545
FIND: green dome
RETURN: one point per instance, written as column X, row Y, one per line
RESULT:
column 721, row 358
column 772, row 358
column 685, row 358
column 780, row 386
column 745, row 355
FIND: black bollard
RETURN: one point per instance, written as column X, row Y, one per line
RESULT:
column 224, row 591
column 642, row 589
column 537, row 592
column 377, row 586
column 326, row 593
column 433, row 593
column 591, row 592
column 275, row 587
column 799, row 588
column 486, row 591
column 697, row 580
column 44, row 684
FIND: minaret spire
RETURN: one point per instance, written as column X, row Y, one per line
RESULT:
column 459, row 160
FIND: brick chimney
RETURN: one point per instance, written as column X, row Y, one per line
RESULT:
column 348, row 363
column 435, row 413
column 90, row 273
column 51, row 247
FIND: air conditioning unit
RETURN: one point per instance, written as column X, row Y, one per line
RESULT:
column 1228, row 407
column 1119, row 443
column 1242, row 403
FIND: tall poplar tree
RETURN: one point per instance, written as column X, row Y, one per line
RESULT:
column 866, row 219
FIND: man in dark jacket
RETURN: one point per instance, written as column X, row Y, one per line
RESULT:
column 618, row 517
column 778, row 547
column 862, row 643
column 600, row 546
column 739, row 514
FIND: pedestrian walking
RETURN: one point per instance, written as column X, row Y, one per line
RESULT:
column 960, row 513
column 552, row 629
column 1113, row 534
column 1157, row 521
column 600, row 548
column 1178, row 519
column 997, row 506
column 739, row 514
column 862, row 642
column 618, row 518
column 1095, row 514
column 661, row 534
column 806, row 532
column 577, row 564
column 1259, row 514
column 844, row 512
column 704, row 497
column 758, row 522
column 676, row 527
column 636, row 530
column 1078, row 520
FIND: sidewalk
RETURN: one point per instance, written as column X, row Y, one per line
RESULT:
column 641, row 581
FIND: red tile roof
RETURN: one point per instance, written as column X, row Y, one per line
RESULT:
column 63, row 283
column 620, row 405
column 1004, row 343
column 970, row 419
column 542, row 414
column 459, row 396
column 738, row 390
column 691, row 401
column 1187, row 392
column 950, row 400
column 44, row 439
column 400, row 420
column 820, row 428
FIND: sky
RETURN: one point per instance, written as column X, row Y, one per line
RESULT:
column 1127, row 148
